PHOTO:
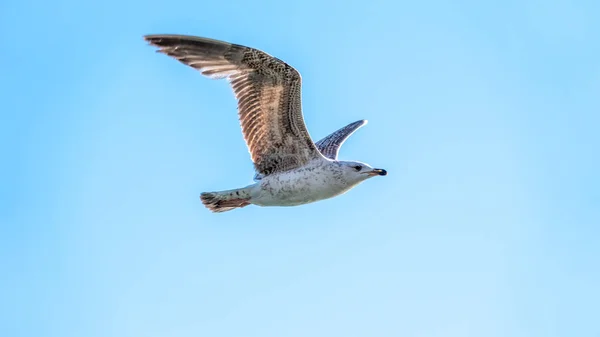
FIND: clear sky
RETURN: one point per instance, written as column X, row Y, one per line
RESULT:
column 486, row 117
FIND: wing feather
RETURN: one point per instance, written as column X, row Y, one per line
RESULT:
column 268, row 92
column 330, row 145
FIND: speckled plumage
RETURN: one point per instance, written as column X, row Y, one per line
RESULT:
column 291, row 169
column 318, row 180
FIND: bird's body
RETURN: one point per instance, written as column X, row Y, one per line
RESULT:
column 290, row 168
column 318, row 180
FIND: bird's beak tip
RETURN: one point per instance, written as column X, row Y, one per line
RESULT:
column 379, row 172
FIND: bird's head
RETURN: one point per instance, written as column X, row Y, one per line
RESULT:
column 355, row 172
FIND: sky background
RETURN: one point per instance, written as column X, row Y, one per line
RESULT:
column 485, row 115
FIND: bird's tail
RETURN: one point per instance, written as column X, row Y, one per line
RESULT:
column 224, row 201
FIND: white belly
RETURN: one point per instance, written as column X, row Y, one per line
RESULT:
column 298, row 187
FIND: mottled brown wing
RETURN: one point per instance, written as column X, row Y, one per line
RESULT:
column 330, row 145
column 268, row 94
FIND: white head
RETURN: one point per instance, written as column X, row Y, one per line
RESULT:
column 355, row 172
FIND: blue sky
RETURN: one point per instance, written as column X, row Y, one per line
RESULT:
column 485, row 115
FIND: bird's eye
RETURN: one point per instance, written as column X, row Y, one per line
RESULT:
column 357, row 168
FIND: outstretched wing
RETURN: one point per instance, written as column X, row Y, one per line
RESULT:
column 330, row 145
column 268, row 94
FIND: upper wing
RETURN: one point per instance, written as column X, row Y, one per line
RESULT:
column 268, row 94
column 330, row 145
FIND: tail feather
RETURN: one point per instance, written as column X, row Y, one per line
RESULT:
column 224, row 201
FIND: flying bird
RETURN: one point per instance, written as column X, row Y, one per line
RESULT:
column 290, row 168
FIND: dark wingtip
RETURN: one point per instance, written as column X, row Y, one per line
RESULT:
column 361, row 122
column 152, row 40
column 161, row 40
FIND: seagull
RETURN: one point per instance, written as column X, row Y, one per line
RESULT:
column 290, row 168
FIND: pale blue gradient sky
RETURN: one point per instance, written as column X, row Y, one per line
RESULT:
column 485, row 115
